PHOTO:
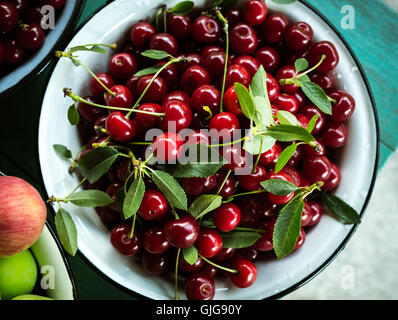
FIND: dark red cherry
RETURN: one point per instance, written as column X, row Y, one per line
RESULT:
column 153, row 206
column 22, row 5
column 243, row 39
column 287, row 102
column 30, row 37
column 292, row 171
column 88, row 112
column 250, row 63
column 275, row 27
column 334, row 179
column 310, row 111
column 324, row 80
column 33, row 14
column 96, row 88
column 237, row 73
column 299, row 36
column 198, row 186
column 200, row 286
column 179, row 26
column 231, row 102
column 197, row 137
column 169, row 74
column 329, row 50
column 228, row 185
column 287, row 72
column 177, row 95
column 194, row 77
column 155, row 241
column 282, row 176
column 165, row 42
column 317, row 168
column 225, row 254
column 306, row 215
column 178, row 116
column 122, row 65
column 183, row 232
column 263, row 244
column 206, row 30
column 316, row 213
column 210, row 49
column 13, row 53
column 236, row 157
column 215, row 63
column 251, row 182
column 2, row 52
column 268, row 57
column 9, row 16
column 300, row 240
column 184, row 265
column 206, row 96
column 301, row 98
column 155, row 92
column 255, row 12
column 227, row 217
column 120, row 239
column 223, row 126
column 147, row 120
column 335, row 134
column 190, row 59
column 155, row 264
column 111, row 191
column 131, row 84
column 141, row 33
column 247, row 273
column 267, row 158
column 272, row 87
column 302, row 120
column 122, row 97
column 167, row 147
column 120, row 128
column 209, row 243
column 344, row 106
column 309, row 151
column 209, row 270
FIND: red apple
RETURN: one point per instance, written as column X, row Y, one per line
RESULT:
column 22, row 215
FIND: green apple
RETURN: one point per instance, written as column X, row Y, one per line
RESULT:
column 31, row 297
column 18, row 275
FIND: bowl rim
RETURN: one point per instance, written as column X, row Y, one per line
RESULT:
column 313, row 274
column 48, row 58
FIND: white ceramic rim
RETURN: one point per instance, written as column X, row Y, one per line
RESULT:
column 56, row 182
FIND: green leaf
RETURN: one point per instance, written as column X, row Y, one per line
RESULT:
column 286, row 117
column 191, row 255
column 287, row 228
column 204, row 204
column 318, row 97
column 133, row 198
column 97, row 162
column 284, row 1
column 119, row 199
column 94, row 48
column 66, row 231
column 258, row 86
column 305, row 78
column 171, row 189
column 62, row 151
column 148, row 71
column 312, row 123
column 76, row 62
column 301, row 64
column 255, row 146
column 285, row 156
column 73, row 115
column 279, row 187
column 90, row 198
column 263, row 117
column 195, row 167
column 207, row 223
column 182, row 7
column 246, row 100
column 341, row 209
column 287, row 133
column 239, row 239
column 155, row 54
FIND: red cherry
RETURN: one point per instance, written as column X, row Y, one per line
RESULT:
column 255, row 12
column 300, row 240
column 344, row 106
column 197, row 137
column 334, row 179
column 299, row 36
column 227, row 217
column 282, row 176
column 179, row 26
column 206, row 30
column 251, row 182
column 209, row 243
column 324, row 80
column 167, row 147
column 310, row 111
column 153, row 206
column 122, row 65
column 123, row 243
column 329, row 50
column 306, row 215
column 13, row 53
column 9, row 17
column 247, row 273
column 268, row 57
column 194, row 77
column 206, row 95
column 263, row 244
column 272, row 87
column 237, row 158
column 96, row 88
column 200, row 286
column 155, row 92
column 224, row 126
column 165, row 42
column 287, row 102
column 30, row 37
column 184, row 265
column 237, row 73
column 141, row 33
column 122, row 97
column 316, row 213
column 250, row 63
column 317, row 168
column 120, row 128
column 169, row 74
column 177, row 95
column 155, row 264
column 183, row 232
column 287, row 72
column 243, row 39
column 335, row 134
column 88, row 112
column 147, row 120
column 178, row 116
column 267, row 159
column 275, row 28
column 155, row 240
column 231, row 102
column 229, row 185
column 215, row 63
column 198, row 186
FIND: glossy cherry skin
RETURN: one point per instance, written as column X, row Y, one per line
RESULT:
column 272, row 87
column 194, row 77
column 299, row 36
column 329, row 50
column 120, row 128
column 167, row 147
column 197, row 137
column 247, row 273
column 178, row 116
column 316, row 213
column 309, row 151
column 147, row 120
column 153, row 206
column 283, row 176
column 231, row 102
column 227, row 217
column 209, row 270
column 251, row 64
column 243, row 39
column 182, row 233
column 206, row 30
column 155, row 241
column 255, row 12
column 292, row 171
column 267, row 158
column 198, row 186
column 263, row 244
column 13, row 53
column 228, row 186
column 306, row 215
column 268, row 57
column 215, row 63
column 287, row 72
column 88, row 112
column 184, row 265
column 255, row 208
column 317, row 168
column 200, row 286
column 111, row 191
column 310, row 111
column 96, row 89
column 210, row 49
column 237, row 158
column 335, row 134
column 121, row 241
column 190, row 59
column 155, row 264
column 209, row 243
column 156, row 91
column 237, row 73
column 302, row 120
column 141, row 33
column 275, row 27
column 177, row 95
column 225, row 254
column 251, row 182
column 206, row 95
column 301, row 98
column 30, row 37
column 287, row 102
column 334, row 179
column 344, row 107
column 224, row 125
column 165, row 42
column 180, row 26
column 122, row 65
column 169, row 74
column 300, row 240
column 9, row 16
column 324, row 80
column 122, row 98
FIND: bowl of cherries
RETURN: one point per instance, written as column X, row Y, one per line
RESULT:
column 30, row 30
column 208, row 149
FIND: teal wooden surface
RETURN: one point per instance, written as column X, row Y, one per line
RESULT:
column 374, row 41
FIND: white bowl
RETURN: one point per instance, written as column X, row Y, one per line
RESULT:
column 275, row 278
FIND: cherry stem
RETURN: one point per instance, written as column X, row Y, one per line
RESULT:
column 76, row 159
column 165, row 19
column 131, row 234
column 231, row 198
column 258, row 156
column 224, row 21
column 218, row 266
column 223, row 183
column 228, row 143
column 323, row 57
column 176, row 275
column 140, row 143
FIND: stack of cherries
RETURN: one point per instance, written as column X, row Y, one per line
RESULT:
column 21, row 33
column 257, row 37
